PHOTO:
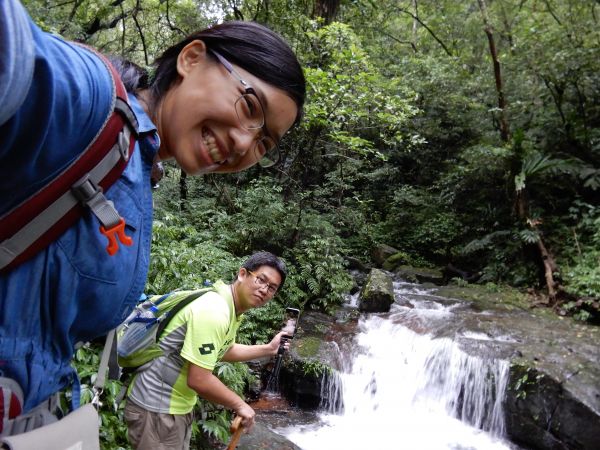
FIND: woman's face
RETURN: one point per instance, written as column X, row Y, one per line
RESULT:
column 197, row 121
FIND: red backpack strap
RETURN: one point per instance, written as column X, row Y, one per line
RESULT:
column 48, row 213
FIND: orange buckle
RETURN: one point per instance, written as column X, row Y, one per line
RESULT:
column 112, row 233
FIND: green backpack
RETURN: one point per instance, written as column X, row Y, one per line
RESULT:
column 137, row 336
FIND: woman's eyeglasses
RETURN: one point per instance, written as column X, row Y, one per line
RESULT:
column 251, row 114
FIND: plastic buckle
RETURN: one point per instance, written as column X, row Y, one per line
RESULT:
column 96, row 403
column 123, row 144
column 118, row 231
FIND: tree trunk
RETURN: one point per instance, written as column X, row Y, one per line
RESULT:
column 183, row 190
column 546, row 256
column 504, row 130
column 549, row 269
column 326, row 9
column 521, row 195
column 415, row 25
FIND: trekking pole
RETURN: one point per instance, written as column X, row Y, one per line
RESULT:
column 236, row 430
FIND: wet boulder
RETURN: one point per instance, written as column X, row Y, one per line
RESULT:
column 395, row 260
column 377, row 294
column 382, row 252
column 420, row 275
column 261, row 438
column 314, row 357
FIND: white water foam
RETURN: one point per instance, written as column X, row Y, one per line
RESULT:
column 409, row 391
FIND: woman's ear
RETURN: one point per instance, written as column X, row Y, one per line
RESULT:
column 190, row 56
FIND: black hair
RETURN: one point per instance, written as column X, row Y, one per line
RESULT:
column 134, row 77
column 249, row 45
column 266, row 259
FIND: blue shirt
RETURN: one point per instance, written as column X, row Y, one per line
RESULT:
column 73, row 290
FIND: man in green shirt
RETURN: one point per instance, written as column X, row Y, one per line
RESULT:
column 162, row 396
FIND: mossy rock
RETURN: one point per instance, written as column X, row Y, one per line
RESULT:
column 395, row 260
column 420, row 275
column 377, row 294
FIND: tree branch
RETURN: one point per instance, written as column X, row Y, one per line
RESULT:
column 171, row 26
column 139, row 28
column 424, row 25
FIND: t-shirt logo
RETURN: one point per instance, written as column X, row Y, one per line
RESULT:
column 205, row 349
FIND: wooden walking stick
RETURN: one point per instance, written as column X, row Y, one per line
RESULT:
column 236, row 430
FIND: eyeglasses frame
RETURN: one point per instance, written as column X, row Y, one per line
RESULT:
column 249, row 90
column 260, row 283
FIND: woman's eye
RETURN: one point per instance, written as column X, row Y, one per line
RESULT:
column 250, row 104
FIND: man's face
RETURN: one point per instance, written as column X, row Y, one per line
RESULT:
column 256, row 287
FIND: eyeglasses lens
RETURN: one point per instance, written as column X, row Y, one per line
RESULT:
column 249, row 111
column 251, row 116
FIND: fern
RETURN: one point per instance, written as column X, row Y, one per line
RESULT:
column 485, row 242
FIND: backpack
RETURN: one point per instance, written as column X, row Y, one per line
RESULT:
column 40, row 219
column 138, row 335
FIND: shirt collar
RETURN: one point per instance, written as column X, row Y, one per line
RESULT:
column 145, row 125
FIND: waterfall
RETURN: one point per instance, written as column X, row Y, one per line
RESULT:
column 402, row 389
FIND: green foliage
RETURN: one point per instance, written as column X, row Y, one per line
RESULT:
column 113, row 430
column 582, row 276
column 182, row 258
column 320, row 272
column 529, row 378
column 349, row 97
column 215, row 420
column 260, row 324
column 315, row 368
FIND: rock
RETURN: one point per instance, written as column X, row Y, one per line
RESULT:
column 382, row 252
column 356, row 264
column 261, row 438
column 314, row 357
column 420, row 275
column 553, row 395
column 394, row 261
column 377, row 294
column 542, row 414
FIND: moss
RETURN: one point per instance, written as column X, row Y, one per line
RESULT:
column 488, row 296
column 395, row 260
column 308, row 347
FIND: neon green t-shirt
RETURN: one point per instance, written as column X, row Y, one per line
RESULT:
column 199, row 334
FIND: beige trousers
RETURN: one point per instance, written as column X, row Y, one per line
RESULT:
column 148, row 430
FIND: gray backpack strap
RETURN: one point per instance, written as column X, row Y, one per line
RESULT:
column 102, row 369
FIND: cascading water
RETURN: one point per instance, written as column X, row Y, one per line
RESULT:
column 404, row 389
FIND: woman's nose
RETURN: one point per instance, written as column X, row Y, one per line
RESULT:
column 244, row 140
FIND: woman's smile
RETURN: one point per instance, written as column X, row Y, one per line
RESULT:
column 216, row 153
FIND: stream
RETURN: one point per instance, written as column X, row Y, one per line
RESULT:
column 406, row 383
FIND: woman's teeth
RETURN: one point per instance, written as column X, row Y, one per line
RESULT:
column 211, row 145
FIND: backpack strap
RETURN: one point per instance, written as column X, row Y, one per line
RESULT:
column 127, row 373
column 40, row 219
column 178, row 307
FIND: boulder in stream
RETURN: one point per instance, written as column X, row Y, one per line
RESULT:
column 377, row 294
column 261, row 438
column 382, row 252
column 420, row 275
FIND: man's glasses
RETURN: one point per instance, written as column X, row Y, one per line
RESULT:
column 251, row 115
column 260, row 281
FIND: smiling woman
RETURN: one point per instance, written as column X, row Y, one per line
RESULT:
column 210, row 121
column 219, row 101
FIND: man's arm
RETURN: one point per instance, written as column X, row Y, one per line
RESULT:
column 16, row 57
column 210, row 388
column 241, row 352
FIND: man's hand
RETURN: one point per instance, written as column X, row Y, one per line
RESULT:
column 277, row 341
column 247, row 414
